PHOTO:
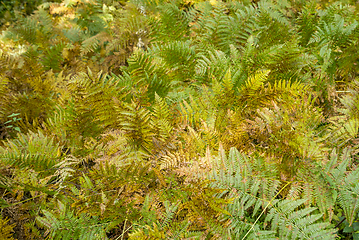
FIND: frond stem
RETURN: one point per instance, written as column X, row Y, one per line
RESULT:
column 265, row 209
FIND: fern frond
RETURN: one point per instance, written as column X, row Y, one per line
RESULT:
column 53, row 57
column 63, row 224
column 74, row 34
column 170, row 161
column 169, row 214
column 148, row 71
column 331, row 183
column 26, row 30
column 350, row 101
column 307, row 22
column 180, row 57
column 6, row 229
column 283, row 218
column 92, row 43
column 34, row 150
column 212, row 26
column 251, row 89
column 135, row 122
column 161, row 119
column 173, row 23
column 213, row 64
column 272, row 23
column 8, row 62
column 342, row 132
column 244, row 23
column 300, row 224
column 254, row 83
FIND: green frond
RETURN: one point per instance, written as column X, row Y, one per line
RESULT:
column 255, row 83
column 92, row 43
column 135, row 121
column 272, row 23
column 160, row 119
column 34, row 150
column 329, row 184
column 169, row 214
column 287, row 61
column 297, row 224
column 244, row 23
column 334, row 36
column 74, row 34
column 249, row 93
column 212, row 26
column 88, row 17
column 103, row 93
column 46, row 22
column 129, row 30
column 160, row 108
column 212, row 64
column 173, row 23
column 343, row 132
column 344, row 183
column 180, row 57
column 149, row 72
column 63, row 224
column 283, row 219
column 193, row 111
column 90, row 110
column 334, row 33
column 350, row 101
column 53, row 58
column 33, row 29
column 307, row 22
column 26, row 30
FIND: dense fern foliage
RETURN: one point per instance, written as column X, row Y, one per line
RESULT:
column 146, row 119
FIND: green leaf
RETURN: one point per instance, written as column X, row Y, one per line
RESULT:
column 348, row 229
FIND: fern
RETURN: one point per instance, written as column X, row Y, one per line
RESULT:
column 300, row 224
column 244, row 23
column 283, row 218
column 6, row 229
column 328, row 184
column 213, row 26
column 8, row 62
column 92, row 43
column 346, row 185
column 64, row 225
column 307, row 21
column 173, row 23
column 34, row 150
column 149, row 72
column 73, row 34
column 123, row 106
column 88, row 17
column 332, row 37
column 271, row 22
column 180, row 58
column 135, row 121
column 53, row 57
column 343, row 130
column 161, row 120
column 213, row 64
